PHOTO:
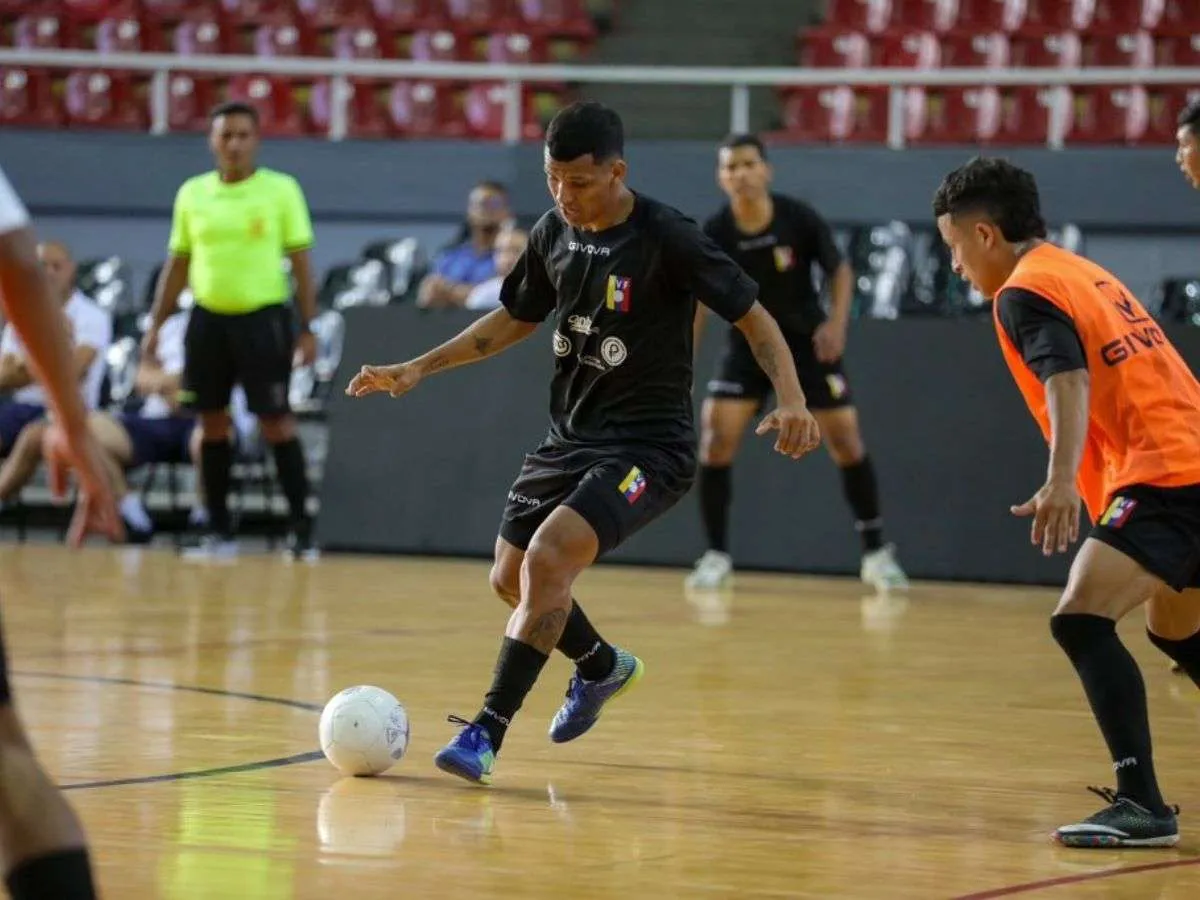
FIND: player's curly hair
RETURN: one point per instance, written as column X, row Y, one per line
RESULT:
column 586, row 127
column 1189, row 117
column 1006, row 194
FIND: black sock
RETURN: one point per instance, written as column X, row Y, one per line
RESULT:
column 65, row 875
column 862, row 493
column 293, row 477
column 1114, row 687
column 593, row 656
column 517, row 668
column 1185, row 652
column 216, row 460
column 716, row 489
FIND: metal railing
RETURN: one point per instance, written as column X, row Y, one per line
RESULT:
column 738, row 80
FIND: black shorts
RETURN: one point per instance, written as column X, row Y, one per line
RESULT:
column 162, row 440
column 14, row 417
column 252, row 348
column 618, row 492
column 1157, row 527
column 739, row 376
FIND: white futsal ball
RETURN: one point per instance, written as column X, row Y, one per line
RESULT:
column 364, row 730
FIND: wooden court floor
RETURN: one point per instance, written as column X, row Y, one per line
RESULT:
column 793, row 738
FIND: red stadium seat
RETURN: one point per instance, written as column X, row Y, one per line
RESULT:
column 836, row 115
column 1178, row 50
column 41, row 32
column 1048, row 50
column 484, row 110
column 27, row 99
column 423, row 109
column 907, row 50
column 365, row 116
column 1127, row 15
column 1107, row 114
column 1129, row 49
column 860, row 15
column 988, row 50
column 1178, row 16
column 100, row 99
column 10, row 9
column 256, row 12
column 953, row 115
column 991, row 15
column 926, row 15
column 165, row 11
column 480, row 16
column 279, row 108
column 516, row 48
column 1073, row 15
column 190, row 98
column 833, row 48
column 353, row 42
column 197, row 38
column 93, row 11
column 328, row 15
column 1165, row 102
column 407, row 16
column 557, row 19
column 124, row 35
column 1025, row 115
column 279, row 40
column 436, row 46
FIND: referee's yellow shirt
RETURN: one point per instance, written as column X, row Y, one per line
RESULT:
column 237, row 236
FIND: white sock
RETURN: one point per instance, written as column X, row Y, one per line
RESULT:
column 133, row 512
column 198, row 516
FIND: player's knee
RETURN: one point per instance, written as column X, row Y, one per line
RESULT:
column 716, row 448
column 548, row 565
column 845, row 446
column 215, row 426
column 1170, row 622
column 277, row 429
column 506, row 582
column 1076, row 601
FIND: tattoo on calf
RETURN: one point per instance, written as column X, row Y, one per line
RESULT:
column 482, row 344
column 547, row 629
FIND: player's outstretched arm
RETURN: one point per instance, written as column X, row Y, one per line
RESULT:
column 486, row 336
column 798, row 431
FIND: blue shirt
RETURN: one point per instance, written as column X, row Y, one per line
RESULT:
column 464, row 264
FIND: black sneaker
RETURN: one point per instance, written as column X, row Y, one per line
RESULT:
column 300, row 546
column 1124, row 823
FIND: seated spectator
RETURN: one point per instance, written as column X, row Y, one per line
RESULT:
column 459, row 268
column 160, row 431
column 23, row 415
column 510, row 244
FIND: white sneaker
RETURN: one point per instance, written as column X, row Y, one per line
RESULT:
column 212, row 548
column 712, row 570
column 882, row 572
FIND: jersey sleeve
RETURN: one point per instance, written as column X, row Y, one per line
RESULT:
column 12, row 211
column 706, row 271
column 180, row 243
column 93, row 328
column 297, row 223
column 1043, row 334
column 527, row 292
column 819, row 237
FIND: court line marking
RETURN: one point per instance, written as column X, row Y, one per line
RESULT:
column 1031, row 886
column 238, row 768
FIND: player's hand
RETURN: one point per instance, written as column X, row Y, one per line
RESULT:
column 150, row 343
column 395, row 380
column 798, row 430
column 96, row 508
column 1055, row 511
column 829, row 341
column 306, row 349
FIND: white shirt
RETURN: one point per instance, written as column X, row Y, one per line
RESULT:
column 91, row 327
column 486, row 294
column 12, row 211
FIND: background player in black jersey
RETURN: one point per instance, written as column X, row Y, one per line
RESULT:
column 777, row 239
column 620, row 273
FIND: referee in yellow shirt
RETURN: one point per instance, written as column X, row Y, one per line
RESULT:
column 231, row 230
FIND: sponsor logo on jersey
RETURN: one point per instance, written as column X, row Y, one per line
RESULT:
column 1118, row 512
column 562, row 346
column 785, row 258
column 591, row 249
column 634, row 485
column 619, row 294
column 531, row 502
column 613, row 351
column 580, row 324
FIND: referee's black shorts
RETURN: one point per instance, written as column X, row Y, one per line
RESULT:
column 253, row 349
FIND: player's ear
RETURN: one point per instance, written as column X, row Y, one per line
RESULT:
column 985, row 232
column 619, row 169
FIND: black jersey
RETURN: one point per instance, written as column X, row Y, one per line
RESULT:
column 780, row 259
column 623, row 302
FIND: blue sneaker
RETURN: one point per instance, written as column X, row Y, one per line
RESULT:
column 585, row 699
column 469, row 755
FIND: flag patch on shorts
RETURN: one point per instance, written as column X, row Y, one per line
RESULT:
column 634, row 484
column 1118, row 512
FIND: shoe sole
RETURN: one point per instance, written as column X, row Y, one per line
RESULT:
column 1109, row 841
column 450, row 767
column 639, row 669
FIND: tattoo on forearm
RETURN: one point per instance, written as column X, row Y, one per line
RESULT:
column 482, row 344
column 764, row 352
column 546, row 629
column 438, row 362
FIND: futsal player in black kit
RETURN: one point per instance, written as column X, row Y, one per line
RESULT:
column 620, row 275
column 777, row 240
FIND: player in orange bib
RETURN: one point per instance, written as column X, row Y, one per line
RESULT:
column 1120, row 410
